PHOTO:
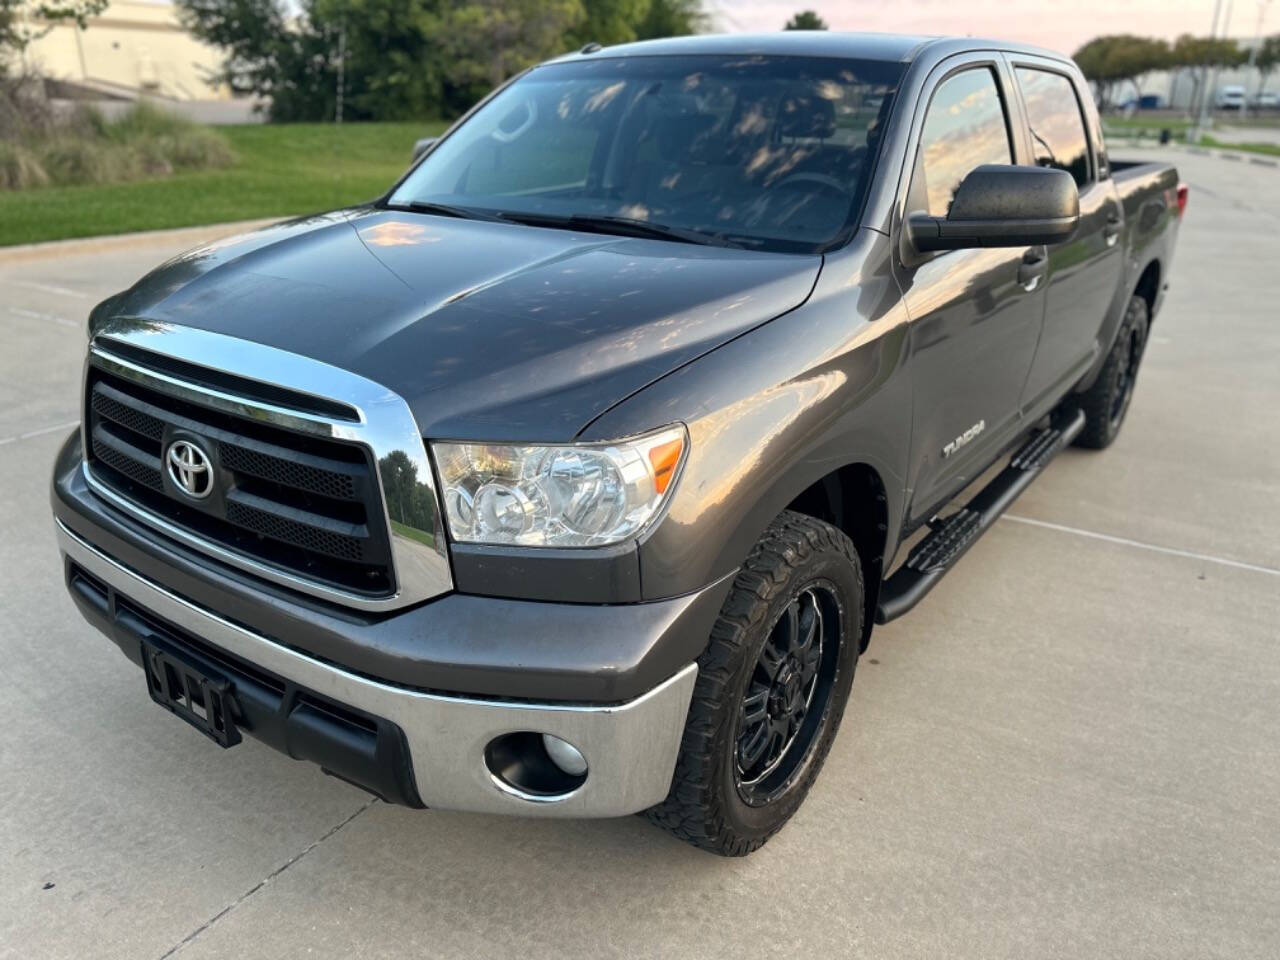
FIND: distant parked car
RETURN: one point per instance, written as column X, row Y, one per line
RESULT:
column 1267, row 101
column 1230, row 97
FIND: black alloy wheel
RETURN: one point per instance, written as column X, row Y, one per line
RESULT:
column 771, row 688
column 787, row 694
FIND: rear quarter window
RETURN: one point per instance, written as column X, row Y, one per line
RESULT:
column 1057, row 126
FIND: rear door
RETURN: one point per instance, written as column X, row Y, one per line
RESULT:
column 1084, row 274
column 975, row 314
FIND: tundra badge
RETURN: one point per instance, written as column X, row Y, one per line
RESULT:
column 964, row 438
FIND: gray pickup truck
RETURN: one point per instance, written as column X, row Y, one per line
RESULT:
column 569, row 477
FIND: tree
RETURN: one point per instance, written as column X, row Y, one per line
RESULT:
column 1113, row 60
column 1199, row 54
column 486, row 41
column 18, row 31
column 287, row 58
column 607, row 22
column 671, row 18
column 1268, row 58
column 806, row 20
column 407, row 59
column 402, row 59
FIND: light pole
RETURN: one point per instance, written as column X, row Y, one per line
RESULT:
column 1253, row 55
column 1202, row 119
column 342, row 70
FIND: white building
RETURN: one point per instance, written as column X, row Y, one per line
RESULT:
column 134, row 48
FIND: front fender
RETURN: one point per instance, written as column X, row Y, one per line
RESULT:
column 774, row 411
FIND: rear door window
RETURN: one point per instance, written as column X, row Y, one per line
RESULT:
column 964, row 128
column 1057, row 126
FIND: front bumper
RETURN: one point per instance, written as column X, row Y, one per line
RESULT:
column 475, row 646
column 630, row 747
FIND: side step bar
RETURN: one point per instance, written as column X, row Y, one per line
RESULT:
column 937, row 553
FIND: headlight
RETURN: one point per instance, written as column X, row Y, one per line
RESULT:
column 575, row 495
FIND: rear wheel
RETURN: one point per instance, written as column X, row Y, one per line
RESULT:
column 771, row 689
column 1107, row 401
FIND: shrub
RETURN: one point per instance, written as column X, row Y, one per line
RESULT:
column 19, row 168
column 87, row 147
column 72, row 160
column 144, row 120
column 199, row 149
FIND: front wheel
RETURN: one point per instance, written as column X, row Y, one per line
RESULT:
column 1107, row 401
column 771, row 689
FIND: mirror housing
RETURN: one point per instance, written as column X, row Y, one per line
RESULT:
column 423, row 145
column 1000, row 205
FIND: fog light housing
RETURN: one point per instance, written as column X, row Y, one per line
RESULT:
column 522, row 765
column 565, row 755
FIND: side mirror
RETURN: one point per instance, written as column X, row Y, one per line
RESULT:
column 998, row 205
column 423, row 145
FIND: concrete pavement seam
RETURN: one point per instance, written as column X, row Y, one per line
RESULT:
column 1155, row 548
column 194, row 934
column 39, row 433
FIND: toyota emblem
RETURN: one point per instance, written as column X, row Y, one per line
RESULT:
column 189, row 469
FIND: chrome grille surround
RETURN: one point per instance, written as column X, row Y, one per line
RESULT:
column 381, row 423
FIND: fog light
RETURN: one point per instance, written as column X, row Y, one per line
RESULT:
column 565, row 755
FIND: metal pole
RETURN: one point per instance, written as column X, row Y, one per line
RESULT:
column 342, row 64
column 1253, row 57
column 1203, row 119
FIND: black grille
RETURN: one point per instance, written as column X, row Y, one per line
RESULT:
column 298, row 533
column 304, row 505
column 141, row 471
column 327, row 483
column 140, row 423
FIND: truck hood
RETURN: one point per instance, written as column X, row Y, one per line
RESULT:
column 489, row 331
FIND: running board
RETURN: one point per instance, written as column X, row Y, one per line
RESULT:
column 936, row 554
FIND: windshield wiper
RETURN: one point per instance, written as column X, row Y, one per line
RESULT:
column 623, row 226
column 446, row 210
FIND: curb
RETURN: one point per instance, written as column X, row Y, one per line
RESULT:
column 188, row 236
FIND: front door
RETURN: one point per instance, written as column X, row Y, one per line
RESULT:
column 975, row 314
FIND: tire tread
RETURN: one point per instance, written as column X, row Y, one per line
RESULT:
column 692, row 810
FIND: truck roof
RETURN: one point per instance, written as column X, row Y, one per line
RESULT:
column 901, row 48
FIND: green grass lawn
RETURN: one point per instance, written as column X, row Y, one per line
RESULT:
column 280, row 170
column 1118, row 127
column 1267, row 149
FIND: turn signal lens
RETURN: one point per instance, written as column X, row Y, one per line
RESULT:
column 665, row 458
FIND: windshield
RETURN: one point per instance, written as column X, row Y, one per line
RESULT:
column 770, row 153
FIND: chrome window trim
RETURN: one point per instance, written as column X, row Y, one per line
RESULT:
column 385, row 426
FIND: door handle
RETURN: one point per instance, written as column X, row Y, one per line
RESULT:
column 1035, row 262
column 1112, row 230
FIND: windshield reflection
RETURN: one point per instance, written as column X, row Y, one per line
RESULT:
column 769, row 153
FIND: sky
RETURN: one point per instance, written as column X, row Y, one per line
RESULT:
column 1062, row 25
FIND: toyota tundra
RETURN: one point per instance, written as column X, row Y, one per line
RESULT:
column 569, row 477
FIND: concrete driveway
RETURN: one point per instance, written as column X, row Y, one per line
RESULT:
column 1072, row 748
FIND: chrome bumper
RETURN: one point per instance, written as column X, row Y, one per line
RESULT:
column 630, row 748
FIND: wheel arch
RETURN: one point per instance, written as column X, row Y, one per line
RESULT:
column 1148, row 286
column 852, row 498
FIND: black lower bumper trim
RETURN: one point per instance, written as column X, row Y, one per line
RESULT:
column 366, row 751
